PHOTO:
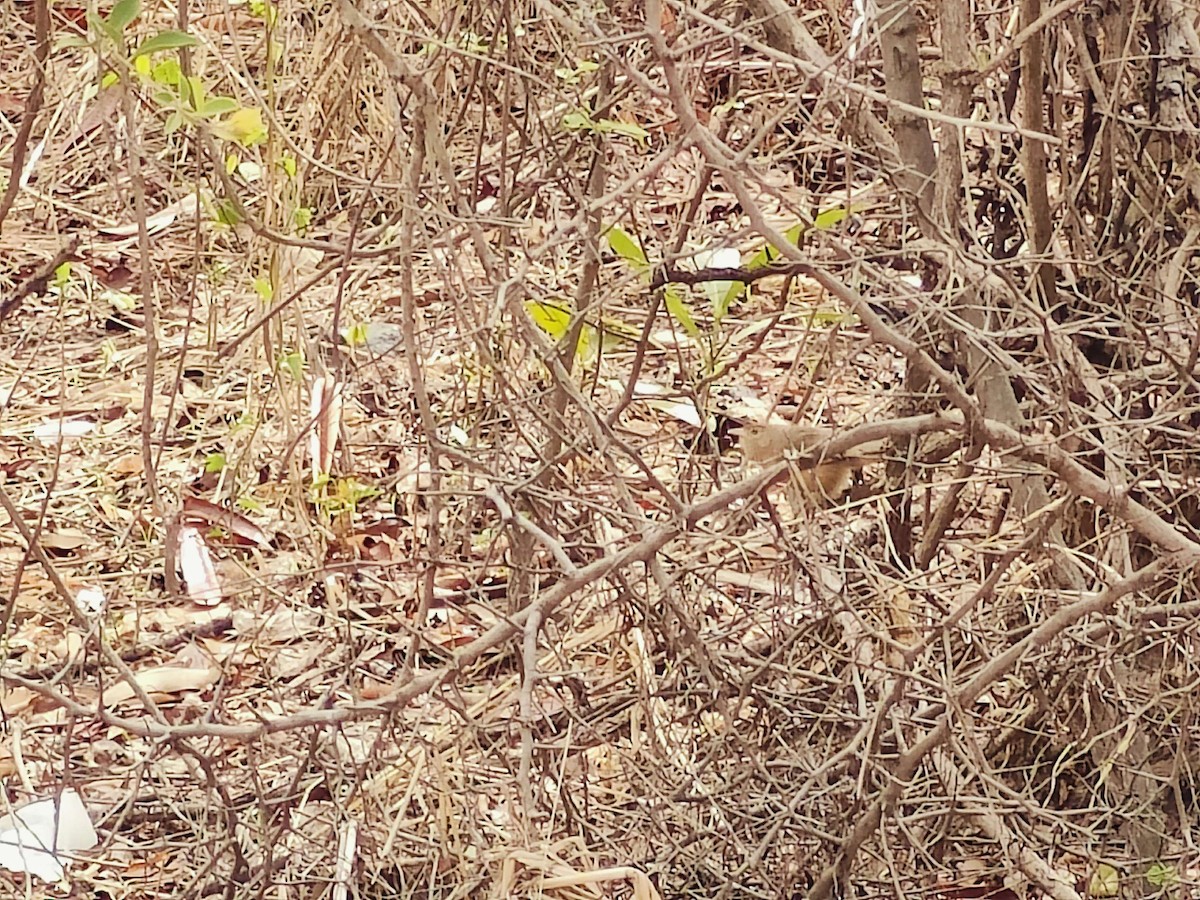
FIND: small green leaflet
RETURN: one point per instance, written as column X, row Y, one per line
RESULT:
column 555, row 321
column 628, row 249
column 581, row 120
column 823, row 221
column 123, row 12
column 165, row 40
column 631, row 252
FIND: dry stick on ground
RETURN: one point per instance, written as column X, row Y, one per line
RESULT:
column 835, row 767
column 510, row 291
column 1076, row 476
column 600, row 432
column 1033, row 153
column 914, row 166
column 522, row 546
column 947, row 508
column 133, row 153
column 420, row 121
column 644, row 549
column 36, row 283
column 33, row 103
column 529, row 643
column 1057, row 883
column 1050, row 628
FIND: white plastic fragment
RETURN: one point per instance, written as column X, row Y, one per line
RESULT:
column 717, row 258
column 38, row 838
column 90, row 600
column 53, row 431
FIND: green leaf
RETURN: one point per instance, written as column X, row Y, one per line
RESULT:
column 626, row 129
column 628, row 249
column 100, row 26
column 260, row 9
column 553, row 319
column 721, row 294
column 1105, row 882
column 1161, row 875
column 770, row 253
column 294, row 363
column 196, row 91
column 214, row 463
column 262, row 287
column 577, row 121
column 226, row 213
column 835, row 215
column 65, row 41
column 62, row 275
column 581, row 120
column 123, row 12
column 823, row 221
column 573, row 76
column 302, row 217
column 167, row 71
column 355, row 335
column 216, row 106
column 249, row 504
column 165, row 40
column 244, row 127
column 680, row 312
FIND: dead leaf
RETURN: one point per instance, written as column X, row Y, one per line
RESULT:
column 65, row 539
column 197, row 509
column 196, row 566
column 50, row 433
column 325, row 407
column 129, row 464
column 164, row 680
column 184, row 206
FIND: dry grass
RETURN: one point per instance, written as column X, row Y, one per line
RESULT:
column 563, row 643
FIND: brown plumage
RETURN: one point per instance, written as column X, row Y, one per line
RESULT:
column 769, row 443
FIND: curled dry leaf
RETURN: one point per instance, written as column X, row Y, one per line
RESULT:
column 197, row 509
column 185, row 207
column 64, row 539
column 196, row 566
column 49, row 433
column 164, row 680
column 325, row 407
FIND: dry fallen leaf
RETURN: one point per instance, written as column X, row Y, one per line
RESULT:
column 196, row 565
column 325, row 406
column 63, row 539
column 164, row 680
column 197, row 509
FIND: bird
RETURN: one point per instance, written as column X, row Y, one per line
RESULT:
column 766, row 443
